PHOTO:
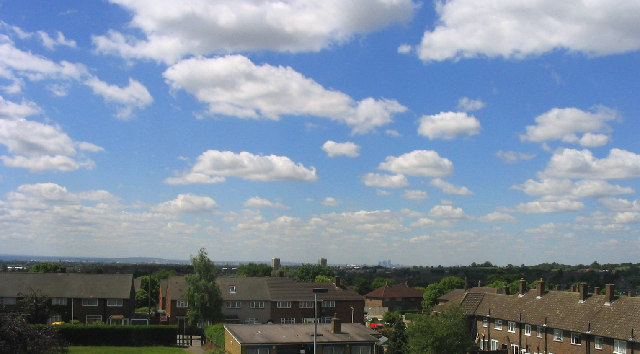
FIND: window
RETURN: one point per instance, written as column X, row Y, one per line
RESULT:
column 258, row 351
column 557, row 335
column 9, row 301
column 485, row 322
column 305, row 304
column 307, row 320
column 251, row 321
column 94, row 319
column 59, row 301
column 232, row 289
column 54, row 318
column 284, row 304
column 288, row 320
column 598, row 343
column 494, row 344
column 114, row 302
column 498, row 325
column 575, row 338
column 619, row 347
column 328, row 303
column 333, row 349
column 515, row 348
column 360, row 349
column 539, row 331
column 90, row 302
column 326, row 319
column 233, row 304
column 182, row 303
column 527, row 330
column 511, row 327
column 256, row 304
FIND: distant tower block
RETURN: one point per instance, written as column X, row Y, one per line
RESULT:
column 322, row 261
column 275, row 263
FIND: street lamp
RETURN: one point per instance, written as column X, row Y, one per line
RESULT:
column 315, row 318
column 352, row 309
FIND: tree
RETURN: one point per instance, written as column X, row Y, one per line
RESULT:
column 18, row 336
column 361, row 285
column 48, row 267
column 322, row 279
column 379, row 282
column 36, row 306
column 142, row 295
column 308, row 272
column 397, row 343
column 446, row 332
column 435, row 290
column 203, row 295
column 254, row 270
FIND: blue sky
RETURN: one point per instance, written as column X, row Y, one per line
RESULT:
column 422, row 132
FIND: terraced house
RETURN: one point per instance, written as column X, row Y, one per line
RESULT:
column 539, row 321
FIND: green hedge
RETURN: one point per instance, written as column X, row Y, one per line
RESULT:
column 98, row 335
column 215, row 334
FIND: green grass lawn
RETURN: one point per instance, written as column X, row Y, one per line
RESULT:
column 125, row 350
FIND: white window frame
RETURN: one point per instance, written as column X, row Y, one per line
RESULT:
column 527, row 330
column 598, row 343
column 511, row 327
column 515, row 348
column 576, row 338
column 59, row 301
column 557, row 335
column 283, row 304
column 232, row 289
column 256, row 304
column 232, row 304
column 288, row 320
column 328, row 303
column 326, row 319
column 54, row 318
column 89, row 302
column 305, row 304
column 93, row 319
column 485, row 322
column 497, row 325
column 307, row 320
column 182, row 303
column 114, row 302
column 539, row 331
column 494, row 344
column 619, row 346
column 251, row 321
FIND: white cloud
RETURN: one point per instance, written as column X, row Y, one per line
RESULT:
column 423, row 222
column 172, row 31
column 564, row 123
column 466, row 104
column 334, row 149
column 447, row 212
column 424, row 163
column 538, row 207
column 497, row 217
column 449, row 188
column 60, row 39
column 213, row 166
column 330, row 201
column 496, row 28
column 188, row 203
column 38, row 163
column 83, row 145
column 617, row 204
column 16, row 111
column 404, row 49
column 570, row 163
column 393, row 133
column 234, row 86
column 257, row 202
column 415, row 195
column 448, row 125
column 627, row 217
column 384, row 181
column 135, row 95
column 553, row 189
column 512, row 157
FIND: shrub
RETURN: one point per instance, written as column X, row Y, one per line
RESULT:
column 96, row 335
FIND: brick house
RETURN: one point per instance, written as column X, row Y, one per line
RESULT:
column 175, row 302
column 88, row 298
column 394, row 297
column 539, row 321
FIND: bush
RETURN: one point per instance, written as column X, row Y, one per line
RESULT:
column 17, row 336
column 95, row 335
column 215, row 334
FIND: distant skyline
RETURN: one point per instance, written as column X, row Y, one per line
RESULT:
column 424, row 133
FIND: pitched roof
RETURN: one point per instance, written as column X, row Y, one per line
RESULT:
column 285, row 289
column 250, row 288
column 69, row 285
column 395, row 291
column 299, row 333
column 176, row 287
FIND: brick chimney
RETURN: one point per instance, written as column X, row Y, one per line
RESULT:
column 540, row 288
column 522, row 287
column 337, row 282
column 596, row 290
column 480, row 283
column 583, row 291
column 608, row 296
column 336, row 324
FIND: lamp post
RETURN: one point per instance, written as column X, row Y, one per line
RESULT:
column 352, row 309
column 315, row 318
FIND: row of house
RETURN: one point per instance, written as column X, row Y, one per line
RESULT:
column 540, row 321
column 260, row 300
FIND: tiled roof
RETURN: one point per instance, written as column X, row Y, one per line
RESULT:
column 251, row 288
column 300, row 333
column 395, row 291
column 68, row 285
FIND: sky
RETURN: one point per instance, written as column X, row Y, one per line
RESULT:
column 425, row 133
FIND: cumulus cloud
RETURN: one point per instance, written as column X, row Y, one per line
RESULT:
column 234, row 86
column 512, row 157
column 330, row 201
column 447, row 212
column 570, row 163
column 415, row 195
column 551, row 189
column 565, row 123
column 60, row 40
column 334, row 149
column 448, row 125
column 214, row 166
column 497, row 217
column 172, row 31
column 466, row 104
column 135, row 95
column 257, row 202
column 495, row 28
column 558, row 206
column 617, row 204
column 449, row 188
column 188, row 203
column 384, row 181
column 422, row 163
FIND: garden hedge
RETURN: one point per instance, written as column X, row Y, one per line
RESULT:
column 101, row 335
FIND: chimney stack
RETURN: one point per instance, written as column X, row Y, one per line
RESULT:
column 596, row 290
column 480, row 283
column 338, row 282
column 583, row 291
column 281, row 273
column 336, row 324
column 608, row 296
column 540, row 288
column 522, row 286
